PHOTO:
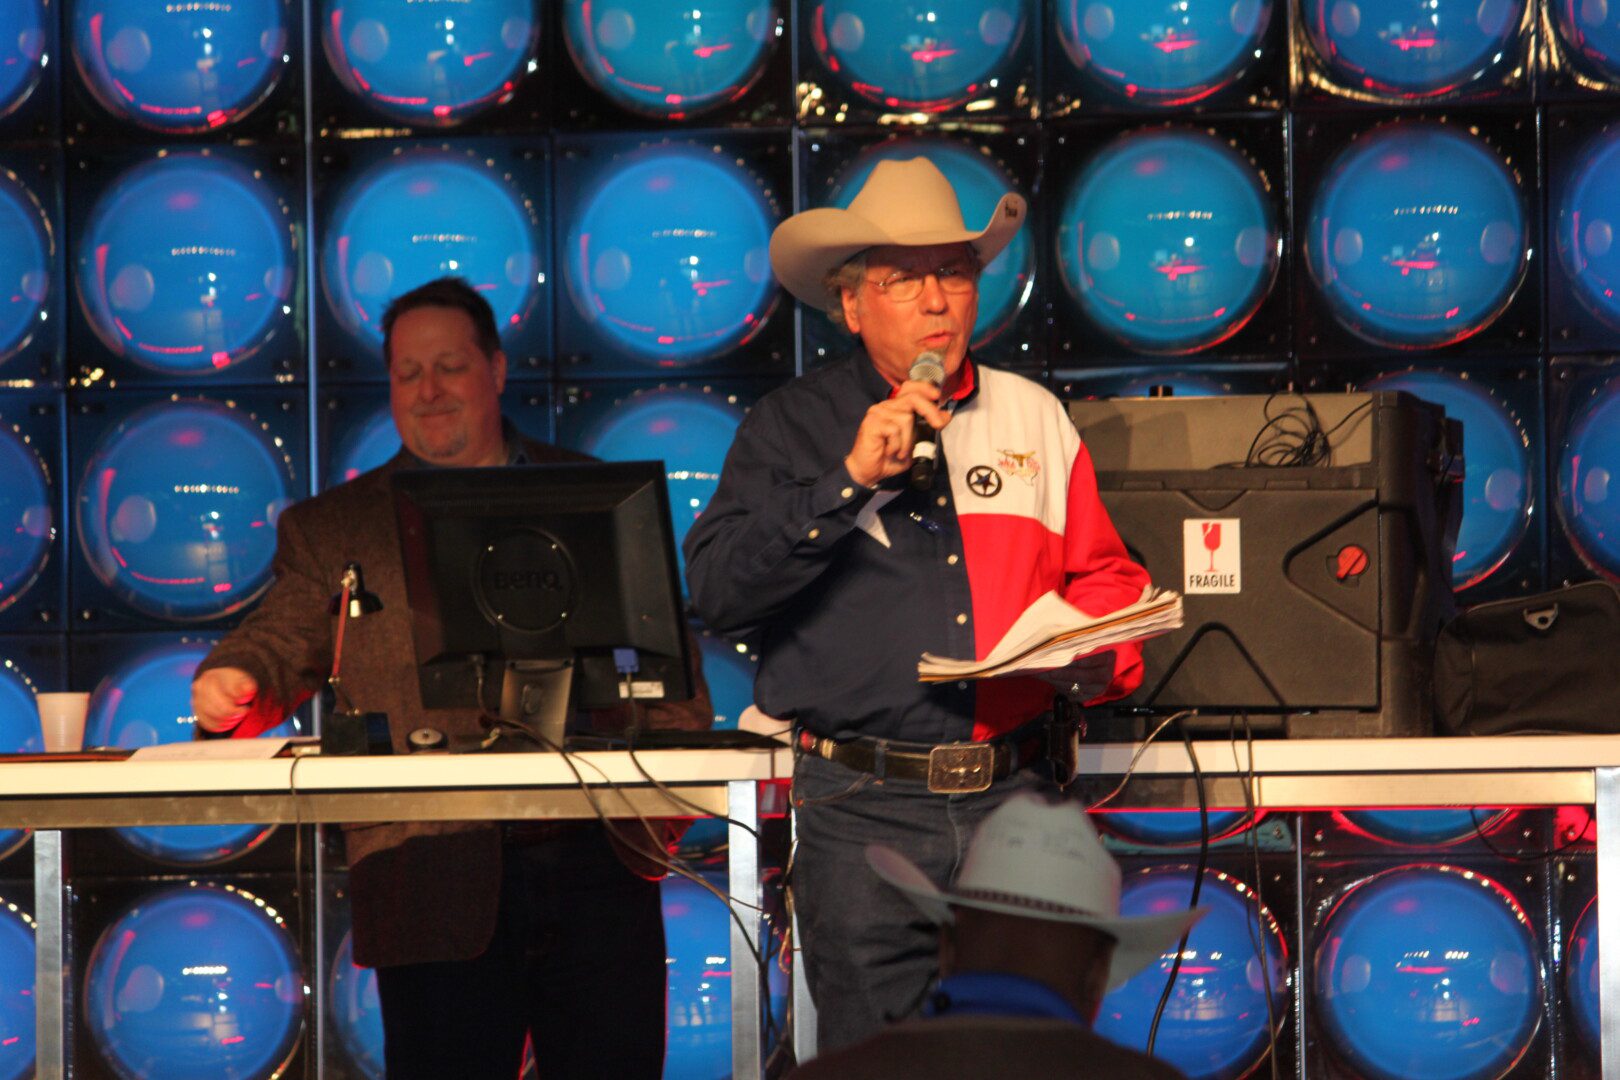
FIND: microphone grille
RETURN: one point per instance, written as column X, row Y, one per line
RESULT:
column 929, row 367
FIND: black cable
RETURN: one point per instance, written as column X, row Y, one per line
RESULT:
column 1198, row 883
column 1257, row 930
column 1538, row 857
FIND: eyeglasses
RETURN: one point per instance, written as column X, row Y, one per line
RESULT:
column 904, row 286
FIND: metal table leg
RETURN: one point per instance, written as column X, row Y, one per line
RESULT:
column 804, row 1009
column 51, row 1016
column 1608, row 876
column 747, row 1014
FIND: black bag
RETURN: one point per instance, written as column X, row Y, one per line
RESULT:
column 1544, row 663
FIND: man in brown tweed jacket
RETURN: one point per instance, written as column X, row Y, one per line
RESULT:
column 479, row 933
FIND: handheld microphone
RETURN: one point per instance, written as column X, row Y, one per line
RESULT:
column 929, row 367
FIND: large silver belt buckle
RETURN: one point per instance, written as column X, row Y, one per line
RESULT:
column 960, row 768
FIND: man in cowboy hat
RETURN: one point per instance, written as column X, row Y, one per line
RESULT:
column 844, row 564
column 1031, row 939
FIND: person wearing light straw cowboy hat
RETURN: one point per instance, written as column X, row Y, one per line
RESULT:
column 843, row 550
column 1032, row 940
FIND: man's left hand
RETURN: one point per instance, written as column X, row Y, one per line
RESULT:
column 1085, row 678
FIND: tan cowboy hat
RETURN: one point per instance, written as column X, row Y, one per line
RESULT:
column 904, row 203
column 1041, row 859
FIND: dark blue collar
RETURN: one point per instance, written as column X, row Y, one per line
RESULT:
column 984, row 993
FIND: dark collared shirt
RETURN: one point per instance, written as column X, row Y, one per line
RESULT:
column 843, row 605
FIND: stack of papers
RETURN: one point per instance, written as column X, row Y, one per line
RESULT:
column 1052, row 633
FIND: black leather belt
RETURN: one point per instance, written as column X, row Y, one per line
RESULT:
column 948, row 768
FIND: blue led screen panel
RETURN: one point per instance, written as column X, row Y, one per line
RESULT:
column 1135, row 380
column 23, row 30
column 19, row 734
column 1162, row 54
column 1588, row 468
column 17, row 1030
column 1498, row 489
column 1590, row 33
column 146, row 701
column 918, row 55
column 697, row 951
column 423, row 214
column 1586, row 214
column 1427, row 971
column 1215, row 1027
column 666, row 259
column 1417, row 237
column 1168, row 241
column 1007, row 281
column 181, row 68
column 192, row 983
column 1168, row 828
column 363, row 447
column 688, row 429
column 1424, row 828
column 670, row 61
column 176, row 508
column 729, row 669
column 431, row 65
column 187, row 264
column 1412, row 50
column 1581, row 977
column 27, row 514
column 26, row 259
column 356, row 1011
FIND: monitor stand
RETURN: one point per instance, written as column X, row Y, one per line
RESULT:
column 534, row 699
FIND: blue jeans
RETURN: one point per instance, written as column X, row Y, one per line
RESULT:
column 869, row 954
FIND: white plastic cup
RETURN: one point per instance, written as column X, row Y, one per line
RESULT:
column 61, row 721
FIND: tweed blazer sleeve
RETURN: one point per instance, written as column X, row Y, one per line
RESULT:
column 286, row 642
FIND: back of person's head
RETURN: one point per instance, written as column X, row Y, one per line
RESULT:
column 1037, row 862
column 445, row 292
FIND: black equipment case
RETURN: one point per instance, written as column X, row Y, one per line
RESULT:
column 1313, row 593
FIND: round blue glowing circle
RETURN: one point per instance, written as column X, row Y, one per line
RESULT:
column 1588, row 491
column 27, row 523
column 409, row 219
column 357, row 1011
column 1497, row 484
column 1588, row 216
column 915, row 54
column 364, row 447
column 1411, row 48
column 25, row 263
column 1168, row 241
column 22, row 47
column 192, row 983
column 1005, row 284
column 697, row 942
column 670, row 60
column 1214, row 1027
column 1591, row 32
column 730, row 674
column 1424, row 828
column 146, row 701
column 1162, row 53
column 1421, row 971
column 1166, row 828
column 186, row 264
column 16, row 994
column 1417, row 236
column 1581, row 977
column 180, row 67
column 669, row 258
column 689, row 430
column 19, row 734
column 431, row 64
column 177, row 509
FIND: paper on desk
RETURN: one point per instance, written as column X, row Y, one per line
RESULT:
column 212, row 750
column 1052, row 633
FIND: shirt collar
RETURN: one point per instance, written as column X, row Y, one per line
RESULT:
column 878, row 387
column 992, row 993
